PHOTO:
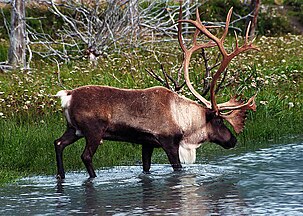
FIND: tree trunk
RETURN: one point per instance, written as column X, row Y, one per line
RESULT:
column 17, row 50
column 255, row 5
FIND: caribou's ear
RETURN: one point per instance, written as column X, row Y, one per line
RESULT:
column 237, row 117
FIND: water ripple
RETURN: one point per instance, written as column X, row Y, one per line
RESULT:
column 265, row 182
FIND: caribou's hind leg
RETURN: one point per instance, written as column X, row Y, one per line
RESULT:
column 87, row 156
column 66, row 139
column 93, row 135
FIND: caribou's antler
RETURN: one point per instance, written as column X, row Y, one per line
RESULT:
column 187, row 56
column 237, row 108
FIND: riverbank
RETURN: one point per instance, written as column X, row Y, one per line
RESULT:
column 31, row 119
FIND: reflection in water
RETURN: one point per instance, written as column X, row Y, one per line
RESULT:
column 268, row 181
column 163, row 192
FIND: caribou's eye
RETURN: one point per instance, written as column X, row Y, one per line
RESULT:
column 218, row 121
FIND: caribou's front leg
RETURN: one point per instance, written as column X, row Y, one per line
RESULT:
column 147, row 151
column 172, row 151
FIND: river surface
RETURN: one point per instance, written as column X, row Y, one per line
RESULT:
column 265, row 182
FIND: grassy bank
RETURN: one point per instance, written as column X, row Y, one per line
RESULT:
column 31, row 120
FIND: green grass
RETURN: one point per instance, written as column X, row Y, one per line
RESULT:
column 30, row 120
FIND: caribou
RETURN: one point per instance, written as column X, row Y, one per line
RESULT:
column 156, row 117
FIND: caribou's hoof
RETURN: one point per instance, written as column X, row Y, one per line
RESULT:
column 60, row 177
column 177, row 169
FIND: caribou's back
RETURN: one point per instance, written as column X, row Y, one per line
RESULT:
column 141, row 115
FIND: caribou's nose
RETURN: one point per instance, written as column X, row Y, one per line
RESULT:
column 231, row 143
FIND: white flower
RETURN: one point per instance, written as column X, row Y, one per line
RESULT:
column 291, row 105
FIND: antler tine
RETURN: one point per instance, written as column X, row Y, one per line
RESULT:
column 236, row 105
column 226, row 25
column 246, row 46
column 237, row 42
column 247, row 32
column 198, row 15
column 195, row 37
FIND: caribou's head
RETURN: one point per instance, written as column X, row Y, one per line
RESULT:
column 218, row 132
column 234, row 111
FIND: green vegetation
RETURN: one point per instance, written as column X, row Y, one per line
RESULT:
column 273, row 19
column 296, row 9
column 31, row 119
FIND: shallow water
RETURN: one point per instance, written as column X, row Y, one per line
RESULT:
column 265, row 182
